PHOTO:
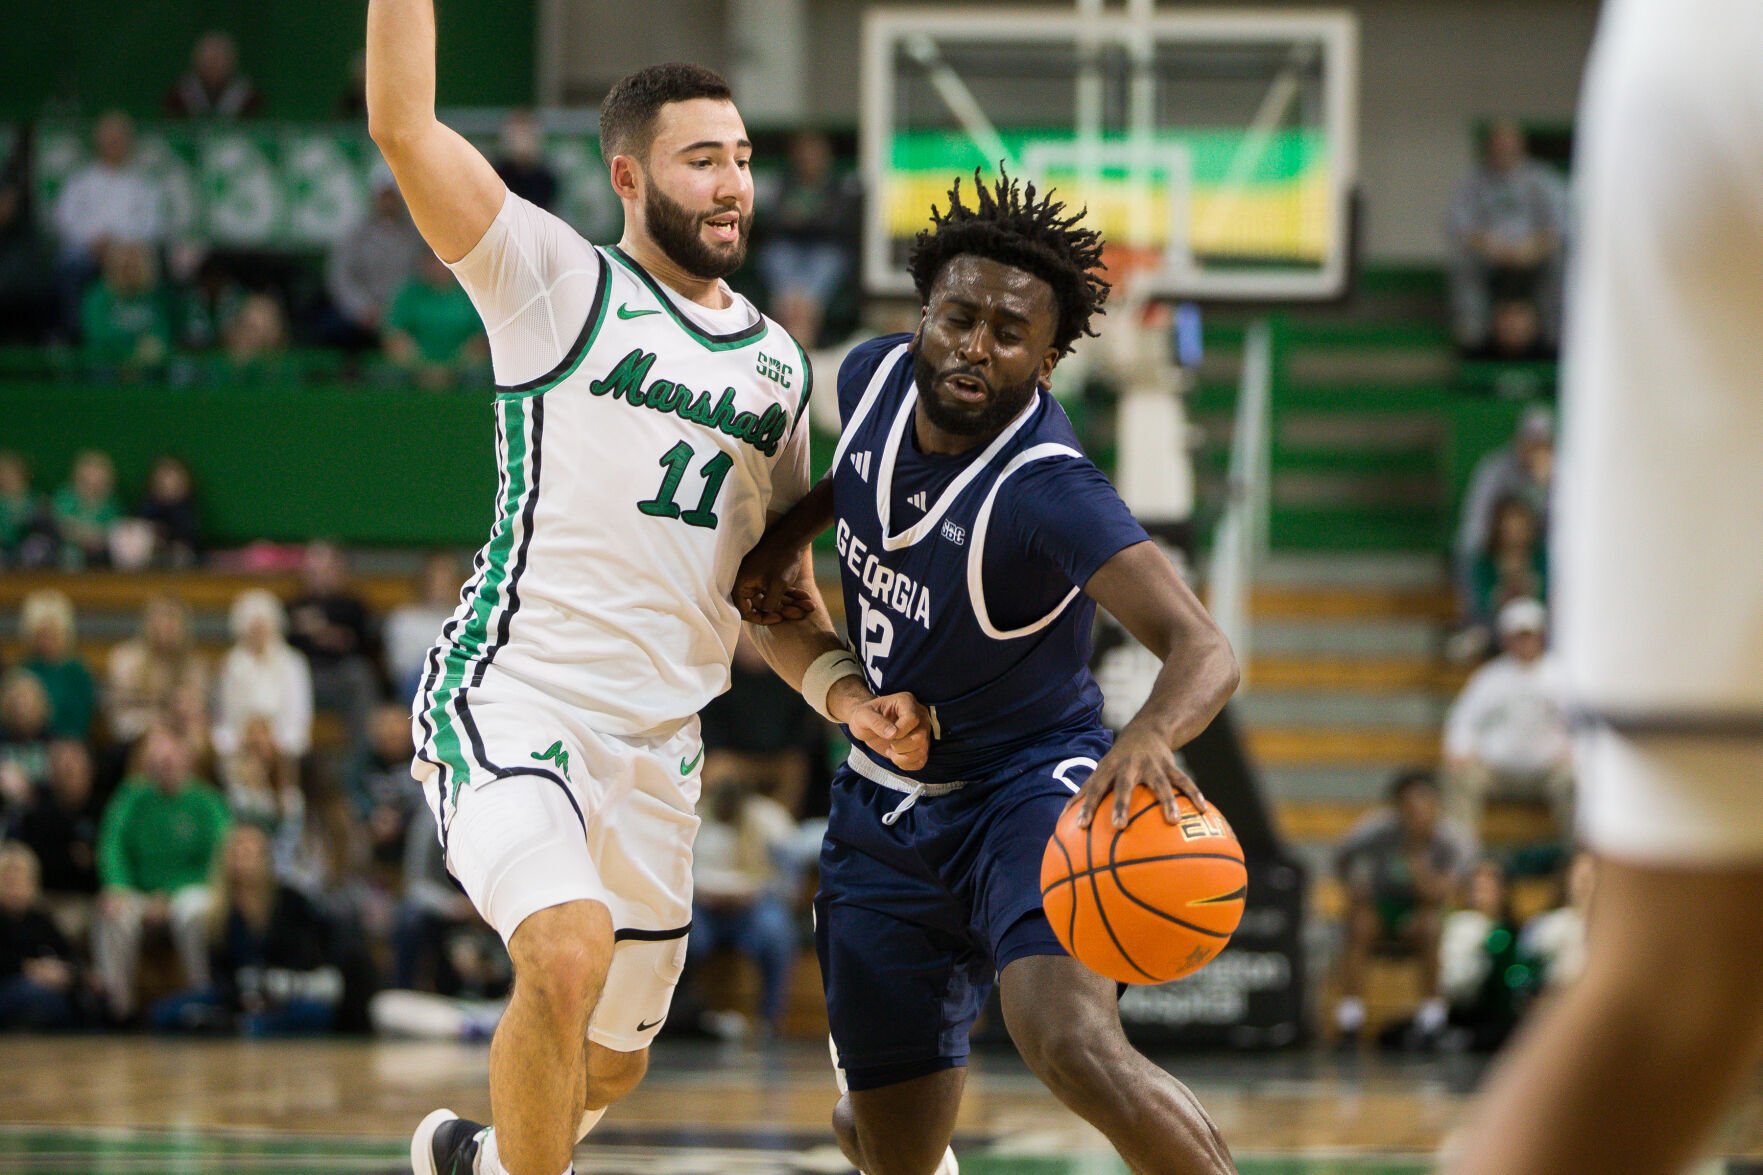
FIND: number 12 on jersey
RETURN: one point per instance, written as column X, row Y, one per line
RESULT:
column 676, row 461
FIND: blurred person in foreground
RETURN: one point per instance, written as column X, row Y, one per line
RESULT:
column 1507, row 733
column 1400, row 866
column 213, row 87
column 38, row 971
column 156, row 849
column 1659, row 591
column 47, row 622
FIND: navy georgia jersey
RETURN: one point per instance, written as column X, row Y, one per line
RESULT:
column 963, row 573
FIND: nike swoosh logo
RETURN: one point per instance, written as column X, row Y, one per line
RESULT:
column 685, row 768
column 624, row 311
column 648, row 1025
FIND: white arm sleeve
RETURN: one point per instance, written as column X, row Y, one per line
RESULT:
column 532, row 279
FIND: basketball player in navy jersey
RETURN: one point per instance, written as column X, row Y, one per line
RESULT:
column 975, row 541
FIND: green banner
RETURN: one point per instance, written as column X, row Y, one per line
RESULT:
column 293, row 187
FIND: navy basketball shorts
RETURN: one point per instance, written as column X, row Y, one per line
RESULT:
column 922, row 904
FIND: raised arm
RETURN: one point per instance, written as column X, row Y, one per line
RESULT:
column 1140, row 588
column 452, row 191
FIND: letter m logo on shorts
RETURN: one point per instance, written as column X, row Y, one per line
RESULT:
column 556, row 754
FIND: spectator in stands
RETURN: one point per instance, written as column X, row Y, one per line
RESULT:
column 170, row 509
column 84, row 509
column 761, row 731
column 27, row 530
column 27, row 261
column 810, row 248
column 1400, row 865
column 368, row 264
column 47, row 622
column 1514, row 565
column 273, row 955
column 124, row 328
column 411, row 629
column 1478, row 948
column 262, row 788
column 330, row 623
column 381, row 791
column 108, row 201
column 1553, row 942
column 433, row 334
column 213, row 87
column 743, row 889
column 522, row 163
column 1522, row 470
column 61, row 828
column 255, row 339
column 1507, row 732
column 261, row 676
column 24, row 743
column 1515, row 334
column 38, row 974
column 156, row 848
column 191, row 715
column 1507, row 227
column 434, row 910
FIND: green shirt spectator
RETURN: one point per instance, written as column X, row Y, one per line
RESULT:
column 160, row 835
column 46, row 621
column 432, row 328
column 84, row 509
column 123, row 321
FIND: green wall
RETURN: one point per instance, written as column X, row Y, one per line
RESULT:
column 377, row 467
column 82, row 56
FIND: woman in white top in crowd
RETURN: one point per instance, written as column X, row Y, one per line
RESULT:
column 262, row 676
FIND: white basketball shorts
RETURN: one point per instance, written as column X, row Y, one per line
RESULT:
column 535, row 808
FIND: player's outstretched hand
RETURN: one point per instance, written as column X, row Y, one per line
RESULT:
column 765, row 585
column 1138, row 757
column 896, row 726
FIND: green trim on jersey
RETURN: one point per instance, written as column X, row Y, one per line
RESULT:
column 807, row 383
column 741, row 338
column 468, row 646
column 584, row 343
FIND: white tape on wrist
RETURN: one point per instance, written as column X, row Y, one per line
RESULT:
column 828, row 668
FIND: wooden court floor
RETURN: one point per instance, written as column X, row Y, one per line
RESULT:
column 146, row 1106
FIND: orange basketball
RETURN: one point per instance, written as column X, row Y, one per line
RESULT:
column 1147, row 903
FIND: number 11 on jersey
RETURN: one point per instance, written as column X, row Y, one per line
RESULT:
column 676, row 461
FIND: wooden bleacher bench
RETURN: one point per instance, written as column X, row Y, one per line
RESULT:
column 202, row 591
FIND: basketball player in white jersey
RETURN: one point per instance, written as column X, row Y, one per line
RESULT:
column 1660, row 603
column 648, row 422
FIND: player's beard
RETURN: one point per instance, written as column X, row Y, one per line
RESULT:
column 677, row 231
column 984, row 419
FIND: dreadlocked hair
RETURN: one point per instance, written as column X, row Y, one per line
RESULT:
column 1008, row 224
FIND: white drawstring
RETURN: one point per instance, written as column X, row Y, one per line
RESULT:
column 904, row 805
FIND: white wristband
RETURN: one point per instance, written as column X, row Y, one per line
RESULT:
column 828, row 668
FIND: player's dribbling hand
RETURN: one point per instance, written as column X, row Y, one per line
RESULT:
column 765, row 591
column 896, row 726
column 1138, row 757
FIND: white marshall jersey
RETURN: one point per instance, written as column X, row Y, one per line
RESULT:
column 641, row 442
